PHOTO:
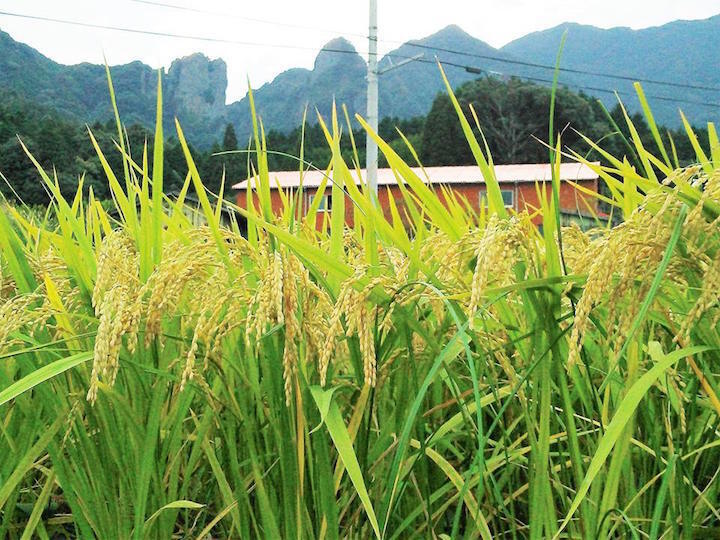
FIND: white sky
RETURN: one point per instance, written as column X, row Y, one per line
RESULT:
column 494, row 21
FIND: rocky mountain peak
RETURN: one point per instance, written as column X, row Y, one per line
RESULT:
column 334, row 53
column 198, row 84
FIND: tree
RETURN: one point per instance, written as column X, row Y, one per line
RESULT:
column 443, row 142
column 230, row 141
column 514, row 117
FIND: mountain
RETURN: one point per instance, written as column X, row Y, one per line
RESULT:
column 405, row 89
column 409, row 90
column 338, row 73
column 194, row 87
column 680, row 52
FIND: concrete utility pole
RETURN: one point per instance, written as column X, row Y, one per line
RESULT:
column 371, row 159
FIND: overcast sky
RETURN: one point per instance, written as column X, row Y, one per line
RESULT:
column 307, row 25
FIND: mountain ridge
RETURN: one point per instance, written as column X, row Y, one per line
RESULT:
column 195, row 86
column 679, row 51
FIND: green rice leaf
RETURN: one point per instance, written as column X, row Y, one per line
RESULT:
column 191, row 505
column 43, row 374
column 625, row 411
column 339, row 433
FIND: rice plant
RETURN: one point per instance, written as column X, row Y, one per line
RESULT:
column 440, row 374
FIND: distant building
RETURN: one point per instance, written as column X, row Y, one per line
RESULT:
column 191, row 209
column 519, row 186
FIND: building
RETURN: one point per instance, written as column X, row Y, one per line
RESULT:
column 519, row 185
column 191, row 209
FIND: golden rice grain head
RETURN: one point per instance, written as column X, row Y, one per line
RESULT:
column 334, row 330
column 27, row 311
column 707, row 299
column 598, row 282
column 189, row 369
column 497, row 252
column 266, row 306
column 184, row 270
column 117, row 263
column 119, row 316
column 117, row 301
column 276, row 285
column 632, row 249
column 290, row 275
column 367, row 345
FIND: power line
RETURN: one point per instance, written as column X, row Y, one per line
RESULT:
column 470, row 69
column 595, row 88
column 225, row 14
column 451, row 51
column 193, row 37
column 566, row 70
column 159, row 34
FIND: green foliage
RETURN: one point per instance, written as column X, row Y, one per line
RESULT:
column 441, row 140
column 63, row 146
column 514, row 117
column 230, row 141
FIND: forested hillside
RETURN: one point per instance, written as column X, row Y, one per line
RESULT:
column 194, row 89
column 513, row 115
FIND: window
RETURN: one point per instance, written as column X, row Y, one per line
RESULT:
column 325, row 203
column 508, row 197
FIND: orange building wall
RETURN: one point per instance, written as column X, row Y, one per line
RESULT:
column 525, row 197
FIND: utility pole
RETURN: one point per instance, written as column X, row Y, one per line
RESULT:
column 371, row 159
column 371, row 149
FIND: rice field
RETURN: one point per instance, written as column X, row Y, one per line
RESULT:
column 471, row 376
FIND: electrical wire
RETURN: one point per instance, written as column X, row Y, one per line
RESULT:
column 415, row 44
column 566, row 70
column 470, row 69
column 225, row 14
column 597, row 89
column 193, row 37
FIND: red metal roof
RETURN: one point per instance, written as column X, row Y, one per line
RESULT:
column 532, row 172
